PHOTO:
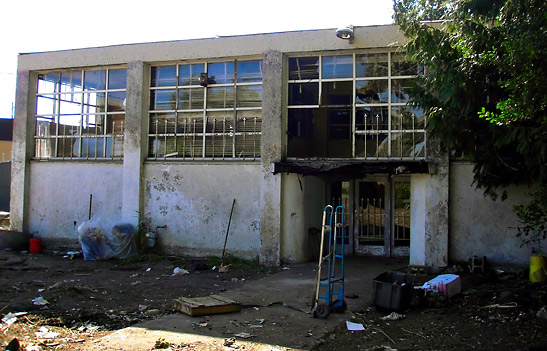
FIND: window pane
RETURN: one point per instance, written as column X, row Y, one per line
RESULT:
column 71, row 81
column 47, row 83
column 249, row 71
column 339, row 124
column 371, row 65
column 94, row 102
column 219, row 141
column 372, row 91
column 304, row 94
column 402, row 67
column 337, row 67
column 221, row 72
column 372, row 145
column 162, row 99
column 407, row 144
column 94, row 80
column 372, row 118
column 337, row 93
column 70, row 104
column 303, row 68
column 189, row 74
column 45, row 105
column 222, row 97
column 247, row 138
column 117, row 78
column 249, row 96
column 191, row 98
column 164, row 76
column 116, row 101
column 400, row 90
column 407, row 118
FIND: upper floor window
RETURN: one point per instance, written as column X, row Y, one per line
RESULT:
column 206, row 110
column 353, row 106
column 80, row 114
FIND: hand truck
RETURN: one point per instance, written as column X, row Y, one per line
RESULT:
column 330, row 287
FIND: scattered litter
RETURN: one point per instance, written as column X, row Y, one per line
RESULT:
column 224, row 269
column 229, row 341
column 72, row 254
column 45, row 333
column 214, row 268
column 33, row 348
column 152, row 312
column 148, row 269
column 497, row 305
column 445, row 284
column 180, row 271
column 285, row 268
column 9, row 319
column 256, row 308
column 40, row 301
column 244, row 335
column 354, row 326
column 542, row 313
column 234, row 280
column 393, row 316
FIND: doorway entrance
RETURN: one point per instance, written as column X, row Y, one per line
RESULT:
column 377, row 215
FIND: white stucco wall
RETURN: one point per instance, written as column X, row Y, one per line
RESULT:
column 301, row 209
column 59, row 196
column 194, row 201
column 480, row 226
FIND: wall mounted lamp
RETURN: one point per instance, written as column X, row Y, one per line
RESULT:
column 345, row 33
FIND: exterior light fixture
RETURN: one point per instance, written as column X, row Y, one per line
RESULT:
column 345, row 33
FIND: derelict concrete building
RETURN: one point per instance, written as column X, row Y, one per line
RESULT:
column 285, row 123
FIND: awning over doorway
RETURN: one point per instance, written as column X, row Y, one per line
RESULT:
column 349, row 169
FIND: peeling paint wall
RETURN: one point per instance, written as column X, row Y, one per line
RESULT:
column 59, row 195
column 481, row 226
column 194, row 201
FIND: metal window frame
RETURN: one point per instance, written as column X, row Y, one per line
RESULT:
column 389, row 104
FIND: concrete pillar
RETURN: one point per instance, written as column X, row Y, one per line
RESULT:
column 270, row 184
column 22, row 149
column 429, row 211
column 134, row 146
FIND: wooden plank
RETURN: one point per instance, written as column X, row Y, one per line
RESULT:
column 204, row 305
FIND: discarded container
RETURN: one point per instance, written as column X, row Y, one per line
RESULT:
column 445, row 284
column 392, row 290
column 35, row 246
column 538, row 265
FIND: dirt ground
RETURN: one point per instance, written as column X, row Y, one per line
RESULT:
column 87, row 300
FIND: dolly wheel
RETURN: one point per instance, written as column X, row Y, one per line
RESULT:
column 341, row 309
column 321, row 311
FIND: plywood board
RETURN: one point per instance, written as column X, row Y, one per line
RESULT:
column 199, row 306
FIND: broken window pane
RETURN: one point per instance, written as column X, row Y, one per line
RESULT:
column 372, row 91
column 372, row 145
column 400, row 90
column 407, row 118
column 407, row 144
column 337, row 67
column 371, row 65
column 116, row 101
column 303, row 68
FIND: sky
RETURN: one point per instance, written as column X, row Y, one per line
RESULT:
column 38, row 25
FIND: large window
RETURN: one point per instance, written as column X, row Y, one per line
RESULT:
column 80, row 114
column 353, row 106
column 206, row 111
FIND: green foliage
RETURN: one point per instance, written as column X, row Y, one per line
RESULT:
column 483, row 87
column 533, row 216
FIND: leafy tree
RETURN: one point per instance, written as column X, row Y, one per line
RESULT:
column 484, row 85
